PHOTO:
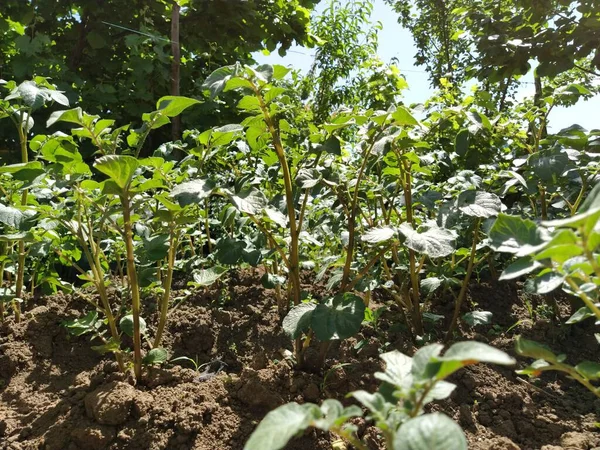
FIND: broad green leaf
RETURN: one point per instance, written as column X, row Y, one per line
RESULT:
column 589, row 370
column 520, row 267
column 431, row 240
column 270, row 281
column 14, row 217
column 397, row 368
column 338, row 318
column 581, row 314
column 249, row 201
column 430, row 432
column 277, row 217
column 479, row 204
column 126, row 325
column 375, row 403
column 119, row 168
column 475, row 318
column 112, row 346
column 559, row 253
column 461, row 143
column 15, row 168
column 423, row 359
column 249, row 103
column 78, row 327
column 216, row 81
column 532, row 349
column 35, row 96
column 378, row 235
column 513, row 234
column 470, row 352
column 206, row 277
column 403, row 117
column 335, row 414
column 281, row 425
column 544, row 283
column 172, row 105
column 193, row 192
column 298, row 319
column 71, row 115
column 229, row 251
column 430, row 284
column 156, row 248
column 156, row 356
column 548, row 165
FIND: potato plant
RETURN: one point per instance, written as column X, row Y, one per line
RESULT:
column 397, row 409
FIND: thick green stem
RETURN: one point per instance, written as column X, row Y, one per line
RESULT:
column 406, row 181
column 133, row 283
column 164, row 304
column 24, row 116
column 465, row 284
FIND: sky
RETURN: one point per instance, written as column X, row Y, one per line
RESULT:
column 395, row 41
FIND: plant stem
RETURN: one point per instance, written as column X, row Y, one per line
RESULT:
column 133, row 283
column 164, row 304
column 294, row 261
column 465, row 284
column 352, row 218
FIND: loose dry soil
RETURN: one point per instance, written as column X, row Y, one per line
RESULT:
column 57, row 393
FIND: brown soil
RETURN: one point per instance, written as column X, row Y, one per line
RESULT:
column 57, row 393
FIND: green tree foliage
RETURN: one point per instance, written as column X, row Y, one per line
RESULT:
column 115, row 56
column 434, row 29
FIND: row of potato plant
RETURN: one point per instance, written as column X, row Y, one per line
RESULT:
column 370, row 200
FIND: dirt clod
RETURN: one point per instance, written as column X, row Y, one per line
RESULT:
column 110, row 404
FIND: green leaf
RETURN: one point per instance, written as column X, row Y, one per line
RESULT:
column 479, row 204
column 545, row 283
column 466, row 353
column 193, row 192
column 112, row 346
column 559, row 253
column 298, row 319
column 375, row 403
column 513, row 234
column 430, row 284
column 156, row 356
column 126, row 325
column 216, row 81
column 397, row 367
column 157, row 247
column 14, row 217
column 403, row 117
column 378, row 235
column 206, row 277
column 335, row 414
column 249, row 201
column 461, row 143
column 581, row 314
column 338, row 318
column 35, row 96
column 172, row 105
column 520, row 267
column 78, row 327
column 270, row 281
column 430, row 432
column 475, row 318
column 431, row 240
column 119, row 168
column 229, row 251
column 70, row 115
column 532, row 349
column 589, row 370
column 281, row 425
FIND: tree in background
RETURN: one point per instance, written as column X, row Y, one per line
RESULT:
column 114, row 57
